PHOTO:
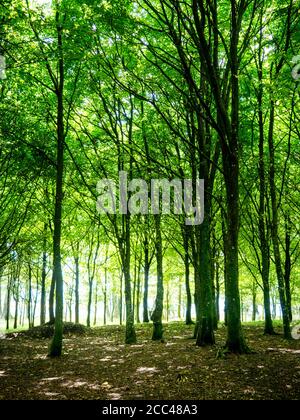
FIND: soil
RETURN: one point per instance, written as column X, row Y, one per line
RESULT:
column 98, row 365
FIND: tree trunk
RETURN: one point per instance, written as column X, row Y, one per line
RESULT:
column 35, row 298
column 138, row 294
column 146, row 281
column 264, row 244
column 288, row 268
column 235, row 339
column 56, row 344
column 121, row 299
column 179, row 301
column 43, row 280
column 188, row 314
column 96, row 305
column 134, row 286
column 214, row 285
column 205, row 330
column 7, row 315
column 29, row 302
column 105, row 297
column 254, row 306
column 130, row 335
column 217, row 292
column 157, row 314
column 225, row 267
column 167, row 310
column 76, row 259
column 274, row 227
column 51, row 301
column 17, row 299
column 89, row 306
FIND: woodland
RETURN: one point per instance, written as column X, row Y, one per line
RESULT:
column 143, row 305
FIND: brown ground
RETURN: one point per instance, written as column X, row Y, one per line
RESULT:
column 100, row 366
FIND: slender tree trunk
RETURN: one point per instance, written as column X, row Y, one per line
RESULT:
column 179, row 301
column 138, row 294
column 288, row 268
column 214, row 287
column 113, row 305
column 225, row 268
column 21, row 313
column 121, row 300
column 235, row 338
column 264, row 244
column 51, row 301
column 167, row 312
column 29, row 303
column 159, row 301
column 89, row 306
column 96, row 305
column 130, row 337
column 105, row 297
column 146, row 281
column 254, row 306
column 35, row 298
column 217, row 293
column 43, row 280
column 197, row 286
column 7, row 315
column 57, row 342
column 134, row 286
column 205, row 320
column 188, row 314
column 76, row 259
column 205, row 330
column 17, row 299
column 92, row 260
column 274, row 227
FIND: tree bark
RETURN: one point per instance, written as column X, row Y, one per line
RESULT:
column 188, row 314
column 43, row 280
column 29, row 302
column 105, row 297
column 121, row 299
column 157, row 314
column 77, row 280
column 8, row 298
column 288, row 268
column 17, row 299
column 205, row 330
column 264, row 243
column 274, row 227
column 130, row 337
column 57, row 342
column 146, row 281
column 138, row 294
column 51, row 301
column 235, row 339
column 254, row 305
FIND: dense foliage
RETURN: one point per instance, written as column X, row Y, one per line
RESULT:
column 161, row 89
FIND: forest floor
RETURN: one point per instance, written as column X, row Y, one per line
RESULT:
column 98, row 365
